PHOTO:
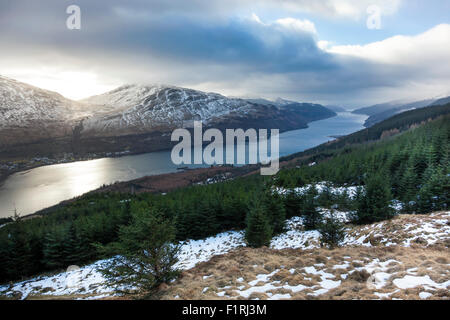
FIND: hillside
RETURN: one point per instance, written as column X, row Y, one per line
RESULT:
column 441, row 101
column 207, row 209
column 394, row 105
column 31, row 114
column 136, row 109
column 411, row 106
column 382, row 130
column 131, row 118
column 385, row 111
column 401, row 259
column 378, row 108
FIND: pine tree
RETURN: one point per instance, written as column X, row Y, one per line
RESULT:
column 326, row 197
column 20, row 249
column 85, row 251
column 258, row 232
column 374, row 202
column 332, row 231
column 434, row 194
column 419, row 160
column 53, row 250
column 311, row 216
column 409, row 189
column 274, row 207
column 292, row 204
column 145, row 254
column 7, row 271
column 69, row 246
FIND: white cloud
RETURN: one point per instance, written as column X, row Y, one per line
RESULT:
column 426, row 50
column 255, row 18
column 323, row 44
column 288, row 24
column 354, row 9
column 297, row 25
column 208, row 45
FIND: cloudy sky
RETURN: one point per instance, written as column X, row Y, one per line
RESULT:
column 318, row 51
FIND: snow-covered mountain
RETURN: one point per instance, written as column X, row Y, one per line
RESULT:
column 135, row 109
column 137, row 118
column 29, row 113
column 140, row 108
column 22, row 104
column 279, row 102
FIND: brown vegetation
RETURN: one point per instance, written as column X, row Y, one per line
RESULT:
column 223, row 274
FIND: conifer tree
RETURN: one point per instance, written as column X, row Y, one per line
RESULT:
column 409, row 189
column 20, row 249
column 292, row 204
column 311, row 216
column 145, row 254
column 53, row 251
column 274, row 207
column 7, row 270
column 69, row 246
column 374, row 202
column 434, row 194
column 258, row 232
column 332, row 231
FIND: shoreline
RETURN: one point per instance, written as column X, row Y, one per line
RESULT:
column 5, row 174
column 166, row 182
column 162, row 183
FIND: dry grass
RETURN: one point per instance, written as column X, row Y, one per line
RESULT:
column 356, row 267
column 222, row 273
column 349, row 272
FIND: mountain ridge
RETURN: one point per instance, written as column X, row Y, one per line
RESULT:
column 380, row 112
column 134, row 118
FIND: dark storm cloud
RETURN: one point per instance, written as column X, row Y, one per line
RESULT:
column 188, row 43
column 138, row 29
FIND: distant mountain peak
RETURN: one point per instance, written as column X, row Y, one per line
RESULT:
column 282, row 102
column 135, row 110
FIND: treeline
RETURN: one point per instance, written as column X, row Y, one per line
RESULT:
column 412, row 167
column 400, row 123
column 66, row 235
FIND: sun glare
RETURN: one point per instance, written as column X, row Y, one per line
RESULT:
column 70, row 84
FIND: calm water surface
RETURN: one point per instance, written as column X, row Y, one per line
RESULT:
column 42, row 187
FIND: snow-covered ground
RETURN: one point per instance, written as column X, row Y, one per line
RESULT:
column 321, row 187
column 265, row 283
column 349, row 191
column 87, row 282
column 90, row 282
column 406, row 230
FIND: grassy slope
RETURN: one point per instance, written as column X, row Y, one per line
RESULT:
column 354, row 270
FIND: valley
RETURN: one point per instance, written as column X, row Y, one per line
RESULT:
column 54, row 180
column 131, row 119
column 202, row 158
column 211, row 209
